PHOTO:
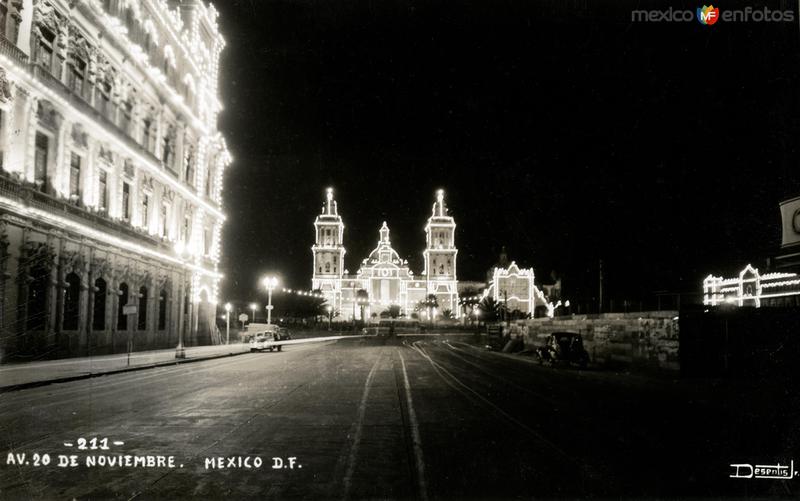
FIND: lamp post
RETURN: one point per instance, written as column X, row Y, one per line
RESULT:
column 270, row 283
column 227, row 323
column 329, row 309
column 253, row 307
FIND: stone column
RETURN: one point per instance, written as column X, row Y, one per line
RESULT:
column 55, row 298
column 8, row 344
column 22, row 291
column 30, row 139
column 61, row 48
column 91, row 297
column 84, row 302
column 61, row 171
column 113, row 303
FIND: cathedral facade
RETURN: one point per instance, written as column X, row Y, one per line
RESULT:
column 384, row 279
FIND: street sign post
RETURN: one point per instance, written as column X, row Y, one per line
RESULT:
column 129, row 310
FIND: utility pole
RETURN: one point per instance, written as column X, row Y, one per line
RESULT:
column 228, row 308
column 600, row 275
column 355, row 329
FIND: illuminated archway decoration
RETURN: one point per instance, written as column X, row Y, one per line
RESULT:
column 749, row 286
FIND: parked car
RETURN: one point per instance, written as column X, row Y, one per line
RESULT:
column 264, row 341
column 281, row 333
column 563, row 347
column 269, row 338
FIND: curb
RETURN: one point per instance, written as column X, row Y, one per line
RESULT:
column 89, row 375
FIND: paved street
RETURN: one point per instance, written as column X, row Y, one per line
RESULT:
column 415, row 419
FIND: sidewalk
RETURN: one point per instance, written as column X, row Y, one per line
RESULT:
column 17, row 376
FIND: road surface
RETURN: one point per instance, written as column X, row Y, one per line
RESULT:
column 411, row 419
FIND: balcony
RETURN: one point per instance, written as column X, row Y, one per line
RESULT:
column 10, row 50
column 27, row 194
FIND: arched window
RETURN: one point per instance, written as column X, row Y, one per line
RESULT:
column 142, row 323
column 167, row 153
column 104, row 98
column 125, row 116
column 148, row 43
column 327, row 267
column 72, row 294
column 162, row 310
column 99, row 311
column 77, row 75
column 44, row 52
column 37, row 297
column 147, row 134
column 122, row 319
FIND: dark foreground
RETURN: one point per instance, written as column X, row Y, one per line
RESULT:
column 428, row 420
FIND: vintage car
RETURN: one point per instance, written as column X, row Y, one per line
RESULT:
column 563, row 347
column 269, row 338
column 264, row 341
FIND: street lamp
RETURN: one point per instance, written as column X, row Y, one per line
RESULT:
column 270, row 283
column 329, row 309
column 253, row 307
column 180, row 351
column 227, row 323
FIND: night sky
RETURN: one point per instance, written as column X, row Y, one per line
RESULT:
column 564, row 132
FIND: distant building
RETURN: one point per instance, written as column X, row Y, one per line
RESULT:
column 516, row 287
column 384, row 279
column 111, row 178
column 778, row 286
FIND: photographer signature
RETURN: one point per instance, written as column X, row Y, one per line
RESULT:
column 775, row 472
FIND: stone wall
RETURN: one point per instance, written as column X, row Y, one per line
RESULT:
column 645, row 340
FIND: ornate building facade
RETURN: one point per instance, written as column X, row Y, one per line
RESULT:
column 384, row 279
column 111, row 179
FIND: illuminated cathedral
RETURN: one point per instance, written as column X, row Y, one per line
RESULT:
column 384, row 279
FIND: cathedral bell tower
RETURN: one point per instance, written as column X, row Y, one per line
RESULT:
column 328, row 251
column 440, row 256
